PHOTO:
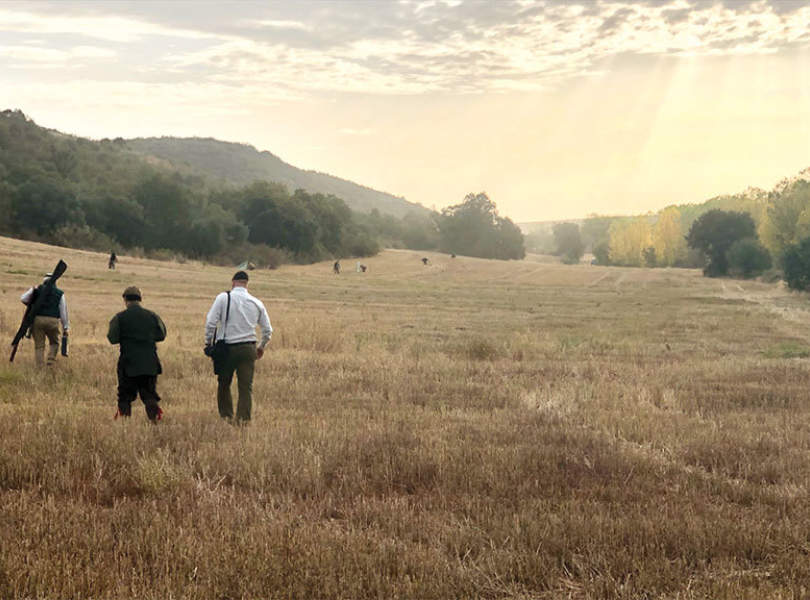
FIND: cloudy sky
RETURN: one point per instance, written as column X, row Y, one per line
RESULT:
column 555, row 109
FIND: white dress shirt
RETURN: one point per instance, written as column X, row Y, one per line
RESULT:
column 63, row 313
column 246, row 313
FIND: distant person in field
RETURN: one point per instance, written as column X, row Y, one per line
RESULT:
column 233, row 319
column 46, row 321
column 336, row 267
column 424, row 260
column 363, row 268
column 137, row 330
column 112, row 261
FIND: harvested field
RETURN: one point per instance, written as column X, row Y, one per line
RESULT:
column 466, row 429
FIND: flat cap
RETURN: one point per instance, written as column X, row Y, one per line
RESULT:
column 132, row 293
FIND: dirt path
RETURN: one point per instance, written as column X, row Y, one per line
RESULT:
column 769, row 299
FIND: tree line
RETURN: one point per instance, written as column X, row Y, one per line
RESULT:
column 743, row 235
column 102, row 195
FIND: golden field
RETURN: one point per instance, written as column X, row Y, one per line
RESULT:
column 469, row 429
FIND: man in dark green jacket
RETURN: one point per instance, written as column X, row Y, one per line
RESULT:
column 137, row 330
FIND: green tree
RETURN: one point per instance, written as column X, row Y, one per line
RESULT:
column 601, row 252
column 748, row 258
column 167, row 211
column 796, row 265
column 787, row 218
column 650, row 259
column 120, row 218
column 595, row 230
column 568, row 242
column 474, row 228
column 43, row 205
column 714, row 232
column 419, row 231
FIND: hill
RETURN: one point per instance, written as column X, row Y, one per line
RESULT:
column 242, row 164
column 104, row 194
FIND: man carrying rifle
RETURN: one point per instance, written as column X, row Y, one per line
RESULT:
column 51, row 309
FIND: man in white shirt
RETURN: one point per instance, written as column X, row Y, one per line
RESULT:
column 233, row 318
column 46, row 321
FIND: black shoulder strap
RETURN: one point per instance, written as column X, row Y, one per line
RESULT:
column 227, row 314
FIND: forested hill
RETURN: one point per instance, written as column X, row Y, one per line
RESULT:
column 242, row 164
column 105, row 195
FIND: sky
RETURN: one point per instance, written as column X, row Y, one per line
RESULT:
column 556, row 109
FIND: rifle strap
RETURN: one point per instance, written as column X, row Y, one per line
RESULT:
column 227, row 314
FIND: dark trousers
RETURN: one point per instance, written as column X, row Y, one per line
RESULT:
column 241, row 359
column 130, row 387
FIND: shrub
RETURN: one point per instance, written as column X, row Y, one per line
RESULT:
column 82, row 236
column 796, row 265
column 714, row 232
column 481, row 349
column 261, row 255
column 601, row 252
column 748, row 258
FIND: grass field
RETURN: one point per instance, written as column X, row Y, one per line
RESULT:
column 469, row 429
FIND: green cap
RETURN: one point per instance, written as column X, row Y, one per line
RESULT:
column 132, row 293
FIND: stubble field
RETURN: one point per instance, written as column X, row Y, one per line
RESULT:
column 469, row 429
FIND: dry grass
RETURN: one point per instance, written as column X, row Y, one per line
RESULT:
column 470, row 429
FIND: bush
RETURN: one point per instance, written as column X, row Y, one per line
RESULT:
column 748, row 258
column 714, row 232
column 82, row 236
column 165, row 255
column 568, row 241
column 259, row 254
column 796, row 265
column 601, row 252
column 650, row 260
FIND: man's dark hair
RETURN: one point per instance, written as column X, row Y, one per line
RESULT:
column 240, row 276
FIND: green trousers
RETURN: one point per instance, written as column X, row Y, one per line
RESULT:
column 241, row 358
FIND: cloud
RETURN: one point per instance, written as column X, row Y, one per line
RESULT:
column 51, row 56
column 109, row 28
column 410, row 46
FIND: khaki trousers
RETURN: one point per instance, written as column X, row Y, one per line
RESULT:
column 45, row 327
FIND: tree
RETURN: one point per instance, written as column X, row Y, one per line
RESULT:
column 628, row 240
column 419, row 231
column 540, row 241
column 43, row 205
column 715, row 232
column 601, row 252
column 796, row 265
column 595, row 230
column 474, row 228
column 668, row 239
column 167, row 210
column 748, row 258
column 568, row 242
column 650, row 259
column 787, row 218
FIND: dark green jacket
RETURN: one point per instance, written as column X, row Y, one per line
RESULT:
column 137, row 329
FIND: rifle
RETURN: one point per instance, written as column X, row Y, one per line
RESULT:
column 34, row 306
